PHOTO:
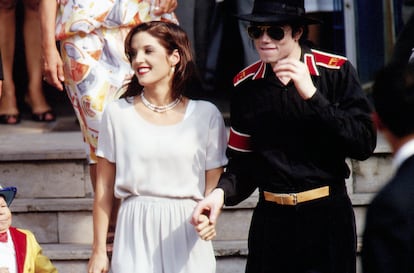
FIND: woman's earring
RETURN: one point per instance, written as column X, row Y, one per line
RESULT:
column 172, row 70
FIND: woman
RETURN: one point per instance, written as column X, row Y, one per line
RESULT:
column 160, row 152
column 35, row 97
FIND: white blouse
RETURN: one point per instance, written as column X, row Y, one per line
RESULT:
column 166, row 161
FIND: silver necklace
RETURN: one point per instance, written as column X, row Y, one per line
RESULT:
column 162, row 108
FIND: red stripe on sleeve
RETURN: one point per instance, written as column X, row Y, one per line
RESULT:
column 239, row 142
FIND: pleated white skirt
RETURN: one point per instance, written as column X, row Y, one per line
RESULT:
column 154, row 235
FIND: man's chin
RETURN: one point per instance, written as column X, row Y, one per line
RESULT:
column 269, row 60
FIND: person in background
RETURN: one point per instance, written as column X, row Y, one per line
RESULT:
column 160, row 152
column 249, row 52
column 35, row 98
column 296, row 116
column 403, row 50
column 20, row 251
column 388, row 239
column 195, row 18
column 322, row 35
column 90, row 62
column 407, row 10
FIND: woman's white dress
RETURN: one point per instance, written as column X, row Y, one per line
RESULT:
column 160, row 175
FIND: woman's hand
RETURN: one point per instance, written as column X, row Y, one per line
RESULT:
column 205, row 229
column 99, row 262
column 165, row 6
column 53, row 68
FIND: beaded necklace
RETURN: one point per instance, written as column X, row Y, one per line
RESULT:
column 162, row 108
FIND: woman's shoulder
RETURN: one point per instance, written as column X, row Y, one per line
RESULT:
column 205, row 105
column 119, row 104
column 206, row 110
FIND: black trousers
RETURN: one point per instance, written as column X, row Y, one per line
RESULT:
column 318, row 236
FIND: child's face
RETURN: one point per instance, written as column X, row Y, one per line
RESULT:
column 5, row 215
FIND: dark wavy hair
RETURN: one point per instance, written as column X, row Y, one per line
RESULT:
column 171, row 37
column 393, row 94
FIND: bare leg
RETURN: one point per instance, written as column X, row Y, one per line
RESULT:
column 31, row 30
column 8, row 103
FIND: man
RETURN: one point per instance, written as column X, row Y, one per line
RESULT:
column 388, row 243
column 296, row 115
column 20, row 251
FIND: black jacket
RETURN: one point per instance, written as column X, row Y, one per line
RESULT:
column 282, row 143
column 388, row 243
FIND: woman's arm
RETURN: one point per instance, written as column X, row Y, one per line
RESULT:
column 205, row 229
column 52, row 62
column 212, row 178
column 102, row 207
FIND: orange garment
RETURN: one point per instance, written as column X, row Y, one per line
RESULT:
column 91, row 35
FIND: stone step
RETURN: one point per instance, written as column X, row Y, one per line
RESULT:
column 73, row 258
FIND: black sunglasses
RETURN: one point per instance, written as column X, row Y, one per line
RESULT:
column 274, row 32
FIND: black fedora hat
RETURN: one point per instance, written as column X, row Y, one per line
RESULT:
column 278, row 11
column 8, row 193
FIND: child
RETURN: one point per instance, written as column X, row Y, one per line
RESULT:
column 20, row 251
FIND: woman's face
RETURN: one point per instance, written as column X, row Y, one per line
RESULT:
column 151, row 63
column 272, row 50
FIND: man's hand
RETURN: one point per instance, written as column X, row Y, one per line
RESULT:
column 298, row 72
column 211, row 206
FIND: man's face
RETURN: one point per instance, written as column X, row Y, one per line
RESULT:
column 5, row 215
column 274, row 43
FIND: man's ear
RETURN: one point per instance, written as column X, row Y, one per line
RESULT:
column 377, row 121
column 298, row 34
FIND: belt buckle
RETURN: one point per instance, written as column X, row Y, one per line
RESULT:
column 295, row 198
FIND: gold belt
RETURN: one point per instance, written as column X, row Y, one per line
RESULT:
column 292, row 199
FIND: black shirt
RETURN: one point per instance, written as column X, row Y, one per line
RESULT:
column 282, row 143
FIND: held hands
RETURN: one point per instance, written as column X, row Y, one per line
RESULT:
column 205, row 229
column 298, row 72
column 211, row 206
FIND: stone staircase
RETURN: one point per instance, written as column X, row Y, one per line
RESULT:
column 47, row 164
